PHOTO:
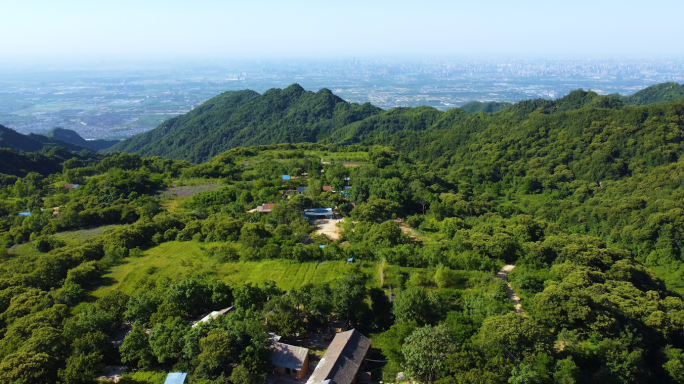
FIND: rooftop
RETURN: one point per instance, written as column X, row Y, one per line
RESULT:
column 265, row 208
column 214, row 315
column 175, row 378
column 343, row 358
column 288, row 356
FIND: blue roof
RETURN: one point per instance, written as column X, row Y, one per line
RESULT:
column 321, row 246
column 350, row 259
column 301, row 189
column 176, row 378
column 286, row 177
column 24, row 213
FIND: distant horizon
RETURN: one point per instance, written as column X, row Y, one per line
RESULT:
column 76, row 64
column 85, row 31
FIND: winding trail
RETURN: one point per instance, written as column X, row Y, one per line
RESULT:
column 503, row 275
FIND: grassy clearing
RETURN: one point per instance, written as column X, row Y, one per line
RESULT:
column 180, row 260
column 143, row 378
column 24, row 251
column 359, row 157
column 77, row 237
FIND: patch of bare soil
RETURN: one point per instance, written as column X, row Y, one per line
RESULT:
column 329, row 228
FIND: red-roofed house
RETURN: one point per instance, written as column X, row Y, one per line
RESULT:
column 265, row 208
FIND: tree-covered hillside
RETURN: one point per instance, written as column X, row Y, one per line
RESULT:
column 72, row 137
column 293, row 115
column 655, row 94
column 12, row 139
column 578, row 203
column 149, row 245
column 488, row 107
column 244, row 118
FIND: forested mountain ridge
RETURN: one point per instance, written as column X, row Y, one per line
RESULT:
column 72, row 137
column 294, row 115
column 655, row 94
column 488, row 107
column 12, row 139
column 246, row 118
column 494, row 146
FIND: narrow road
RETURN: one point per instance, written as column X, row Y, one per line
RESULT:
column 503, row 275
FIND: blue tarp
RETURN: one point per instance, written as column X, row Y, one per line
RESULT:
column 176, row 378
column 350, row 260
column 286, row 177
column 24, row 213
column 321, row 246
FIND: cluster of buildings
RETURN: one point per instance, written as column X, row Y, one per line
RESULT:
column 342, row 362
column 314, row 213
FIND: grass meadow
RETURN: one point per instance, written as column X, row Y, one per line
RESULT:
column 180, row 260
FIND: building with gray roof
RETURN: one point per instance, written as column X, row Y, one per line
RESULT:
column 290, row 360
column 343, row 359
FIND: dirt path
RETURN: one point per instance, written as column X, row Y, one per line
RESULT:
column 503, row 275
column 412, row 233
column 329, row 228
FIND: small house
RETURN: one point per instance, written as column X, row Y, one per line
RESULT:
column 176, row 378
column 287, row 178
column 290, row 360
column 301, row 190
column 328, row 188
column 24, row 214
column 72, row 186
column 265, row 208
column 343, row 359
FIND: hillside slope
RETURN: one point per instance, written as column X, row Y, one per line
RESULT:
column 12, row 139
column 243, row 118
column 72, row 137
column 293, row 115
column 655, row 94
column 490, row 107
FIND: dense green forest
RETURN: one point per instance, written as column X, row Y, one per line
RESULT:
column 579, row 198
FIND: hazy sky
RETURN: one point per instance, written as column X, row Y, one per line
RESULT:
column 132, row 29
